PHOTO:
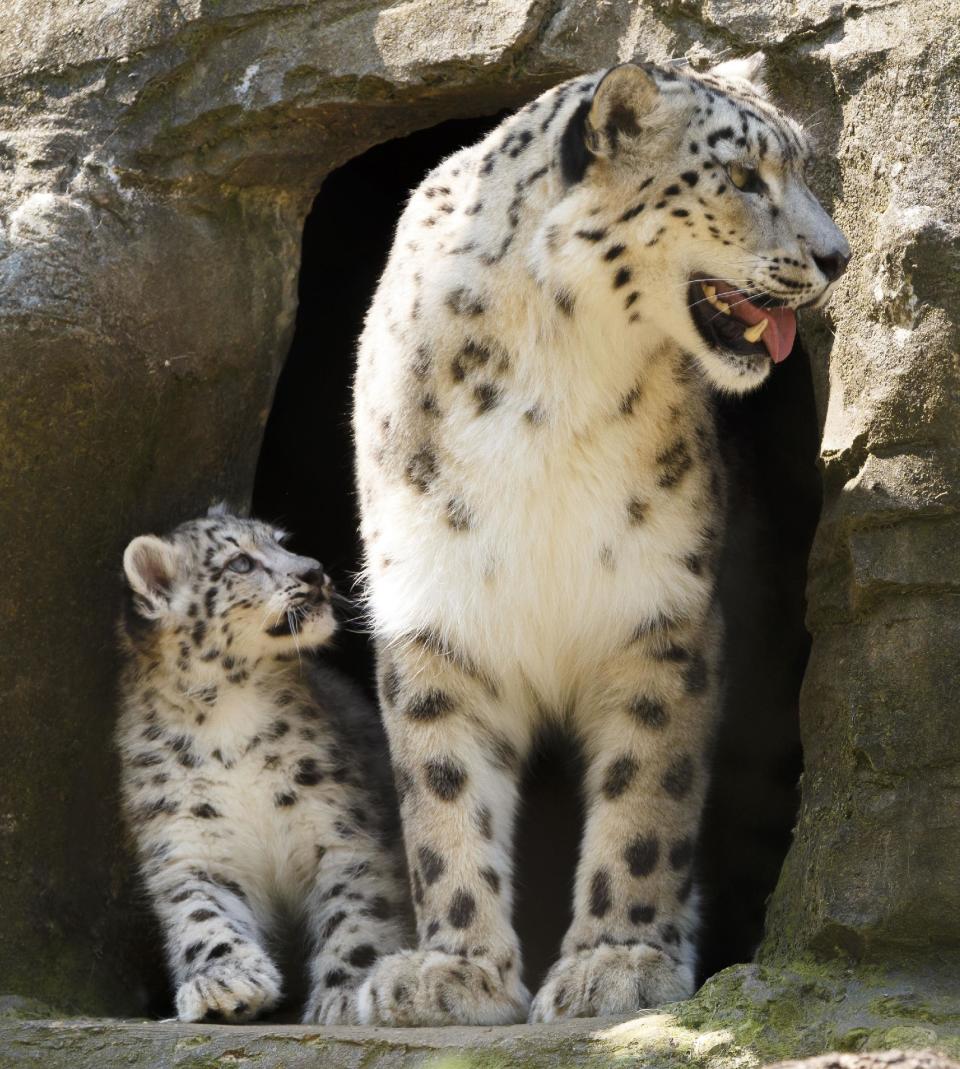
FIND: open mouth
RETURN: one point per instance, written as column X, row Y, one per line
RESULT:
column 284, row 626
column 727, row 320
column 301, row 611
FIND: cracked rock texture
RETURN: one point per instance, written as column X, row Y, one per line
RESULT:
column 157, row 159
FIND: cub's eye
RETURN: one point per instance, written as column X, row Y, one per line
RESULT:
column 746, row 179
column 240, row 563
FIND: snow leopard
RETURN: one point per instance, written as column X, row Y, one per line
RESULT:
column 255, row 782
column 543, row 508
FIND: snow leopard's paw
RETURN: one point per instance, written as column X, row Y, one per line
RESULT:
column 428, row 987
column 235, row 989
column 608, row 980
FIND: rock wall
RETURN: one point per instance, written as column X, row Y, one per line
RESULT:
column 875, row 868
column 157, row 159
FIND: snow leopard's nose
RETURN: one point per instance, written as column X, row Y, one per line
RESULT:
column 312, row 573
column 833, row 264
column 314, row 576
column 319, row 581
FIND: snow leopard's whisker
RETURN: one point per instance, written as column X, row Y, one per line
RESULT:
column 339, row 598
column 748, row 300
column 358, row 581
column 292, row 624
column 353, row 614
column 704, row 300
column 363, row 626
column 698, row 279
column 760, row 291
column 717, row 297
column 268, row 612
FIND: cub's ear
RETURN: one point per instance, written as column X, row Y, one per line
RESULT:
column 746, row 69
column 150, row 565
column 221, row 510
column 624, row 98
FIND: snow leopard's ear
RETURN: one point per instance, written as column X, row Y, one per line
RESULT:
column 624, row 98
column 150, row 565
column 221, row 510
column 750, row 69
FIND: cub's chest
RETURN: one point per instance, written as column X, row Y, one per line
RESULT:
column 287, row 762
column 277, row 803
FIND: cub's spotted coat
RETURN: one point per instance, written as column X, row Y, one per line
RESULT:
column 249, row 779
column 543, row 508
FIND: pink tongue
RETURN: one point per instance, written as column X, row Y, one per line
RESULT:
column 779, row 335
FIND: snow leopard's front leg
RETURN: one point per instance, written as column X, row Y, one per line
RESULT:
column 357, row 914
column 214, row 945
column 457, row 753
column 646, row 719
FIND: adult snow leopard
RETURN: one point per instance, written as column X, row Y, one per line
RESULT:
column 542, row 508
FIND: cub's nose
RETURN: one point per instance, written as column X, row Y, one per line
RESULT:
column 313, row 575
column 833, row 265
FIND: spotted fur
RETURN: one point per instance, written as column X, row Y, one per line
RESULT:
column 250, row 778
column 543, row 509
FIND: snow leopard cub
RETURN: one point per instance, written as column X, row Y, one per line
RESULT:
column 254, row 782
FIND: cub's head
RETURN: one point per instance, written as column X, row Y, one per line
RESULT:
column 223, row 588
column 709, row 179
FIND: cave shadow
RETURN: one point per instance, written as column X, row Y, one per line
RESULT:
column 769, row 438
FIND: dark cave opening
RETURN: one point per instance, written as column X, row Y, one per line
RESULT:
column 305, row 481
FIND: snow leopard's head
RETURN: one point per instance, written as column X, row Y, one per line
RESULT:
column 220, row 589
column 707, row 227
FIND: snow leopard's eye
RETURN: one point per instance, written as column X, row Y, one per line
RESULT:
column 240, row 563
column 746, row 179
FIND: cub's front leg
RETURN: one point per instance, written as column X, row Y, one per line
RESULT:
column 456, row 768
column 214, row 946
column 356, row 913
column 646, row 720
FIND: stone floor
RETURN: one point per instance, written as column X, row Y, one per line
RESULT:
column 744, row 1017
column 103, row 1044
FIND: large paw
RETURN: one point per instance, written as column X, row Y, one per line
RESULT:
column 230, row 990
column 427, row 987
column 609, row 980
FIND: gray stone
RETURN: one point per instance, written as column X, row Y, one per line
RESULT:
column 874, row 867
column 743, row 1017
column 887, row 1059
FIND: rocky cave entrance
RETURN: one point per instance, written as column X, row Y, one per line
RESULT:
column 304, row 480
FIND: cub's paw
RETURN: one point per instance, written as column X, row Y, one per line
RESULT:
column 231, row 991
column 609, row 980
column 336, row 1006
column 428, row 987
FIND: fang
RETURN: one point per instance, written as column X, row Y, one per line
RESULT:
column 721, row 305
column 754, row 333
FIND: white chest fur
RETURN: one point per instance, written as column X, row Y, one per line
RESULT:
column 531, row 466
